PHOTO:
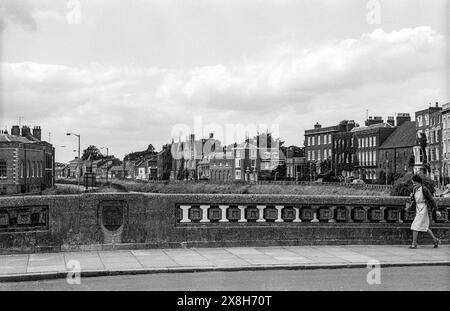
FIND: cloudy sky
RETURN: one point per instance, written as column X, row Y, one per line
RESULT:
column 123, row 74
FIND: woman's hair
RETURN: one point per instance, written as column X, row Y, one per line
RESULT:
column 417, row 178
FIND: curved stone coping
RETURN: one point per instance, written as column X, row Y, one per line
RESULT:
column 219, row 197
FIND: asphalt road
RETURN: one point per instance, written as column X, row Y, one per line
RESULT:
column 394, row 278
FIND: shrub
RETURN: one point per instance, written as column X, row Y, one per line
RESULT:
column 404, row 186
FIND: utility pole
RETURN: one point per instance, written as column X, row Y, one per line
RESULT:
column 79, row 159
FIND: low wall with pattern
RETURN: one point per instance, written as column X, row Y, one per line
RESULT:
column 137, row 220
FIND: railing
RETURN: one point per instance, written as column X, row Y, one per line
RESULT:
column 75, row 222
column 283, row 182
column 294, row 213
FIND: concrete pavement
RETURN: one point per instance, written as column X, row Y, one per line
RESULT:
column 40, row 266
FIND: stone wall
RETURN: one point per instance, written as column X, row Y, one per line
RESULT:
column 137, row 220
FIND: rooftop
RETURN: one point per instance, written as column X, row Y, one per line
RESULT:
column 370, row 127
column 403, row 136
column 5, row 138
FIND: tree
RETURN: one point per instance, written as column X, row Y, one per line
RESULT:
column 150, row 148
column 279, row 173
column 423, row 146
column 92, row 153
column 404, row 186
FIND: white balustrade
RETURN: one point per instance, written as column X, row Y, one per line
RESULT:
column 279, row 208
column 242, row 209
column 185, row 213
column 223, row 208
column 261, row 213
column 297, row 214
column 204, row 213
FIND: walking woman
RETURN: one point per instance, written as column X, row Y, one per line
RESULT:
column 424, row 202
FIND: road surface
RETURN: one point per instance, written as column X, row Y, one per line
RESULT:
column 392, row 278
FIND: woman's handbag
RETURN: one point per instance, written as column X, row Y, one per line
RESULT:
column 410, row 202
column 408, row 205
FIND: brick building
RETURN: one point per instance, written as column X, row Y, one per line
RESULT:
column 141, row 164
column 27, row 164
column 446, row 142
column 164, row 162
column 246, row 164
column 396, row 154
column 187, row 155
column 368, row 139
column 343, row 154
column 295, row 162
column 221, row 166
column 429, row 122
column 319, row 145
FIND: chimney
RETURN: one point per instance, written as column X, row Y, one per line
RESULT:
column 391, row 121
column 402, row 118
column 317, row 125
column 25, row 131
column 15, row 130
column 374, row 120
column 350, row 125
column 37, row 132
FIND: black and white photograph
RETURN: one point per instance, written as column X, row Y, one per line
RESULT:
column 224, row 151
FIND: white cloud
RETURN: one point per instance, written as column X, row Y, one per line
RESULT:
column 286, row 79
column 17, row 12
column 290, row 74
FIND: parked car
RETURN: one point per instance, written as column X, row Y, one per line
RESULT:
column 358, row 181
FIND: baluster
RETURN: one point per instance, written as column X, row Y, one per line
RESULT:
column 400, row 220
column 349, row 213
column 204, row 213
column 279, row 208
column 332, row 208
column 185, row 214
column 242, row 209
column 223, row 208
column 383, row 215
column 315, row 219
column 261, row 213
column 366, row 212
column 297, row 214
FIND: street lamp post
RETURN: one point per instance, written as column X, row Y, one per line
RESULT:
column 79, row 138
column 387, row 166
column 107, row 162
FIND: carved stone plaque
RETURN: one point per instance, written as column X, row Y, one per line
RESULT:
column 112, row 214
column 23, row 218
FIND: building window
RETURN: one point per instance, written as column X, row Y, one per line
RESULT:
column 3, row 169
column 309, row 155
column 419, row 121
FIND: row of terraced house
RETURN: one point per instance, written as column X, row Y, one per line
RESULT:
column 198, row 159
column 382, row 150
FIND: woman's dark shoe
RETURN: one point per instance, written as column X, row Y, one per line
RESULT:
column 436, row 243
column 413, row 246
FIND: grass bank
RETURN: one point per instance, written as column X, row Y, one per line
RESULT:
column 235, row 188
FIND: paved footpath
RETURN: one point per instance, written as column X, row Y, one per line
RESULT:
column 39, row 266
